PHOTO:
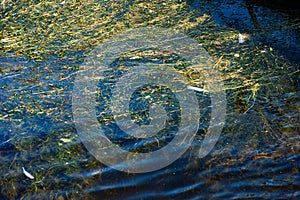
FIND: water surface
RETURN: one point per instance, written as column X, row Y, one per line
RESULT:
column 257, row 155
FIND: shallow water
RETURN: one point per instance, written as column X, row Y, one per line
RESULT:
column 256, row 157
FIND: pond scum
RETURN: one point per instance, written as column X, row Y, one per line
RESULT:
column 254, row 74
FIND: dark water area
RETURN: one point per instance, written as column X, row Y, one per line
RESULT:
column 256, row 157
column 269, row 22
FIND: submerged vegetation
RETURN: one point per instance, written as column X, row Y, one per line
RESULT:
column 43, row 43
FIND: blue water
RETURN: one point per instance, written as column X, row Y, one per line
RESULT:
column 256, row 157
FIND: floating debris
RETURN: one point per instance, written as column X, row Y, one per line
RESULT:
column 27, row 173
column 66, row 140
column 242, row 38
column 196, row 89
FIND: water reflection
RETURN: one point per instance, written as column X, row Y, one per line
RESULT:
column 272, row 23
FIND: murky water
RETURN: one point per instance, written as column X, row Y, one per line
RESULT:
column 256, row 157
